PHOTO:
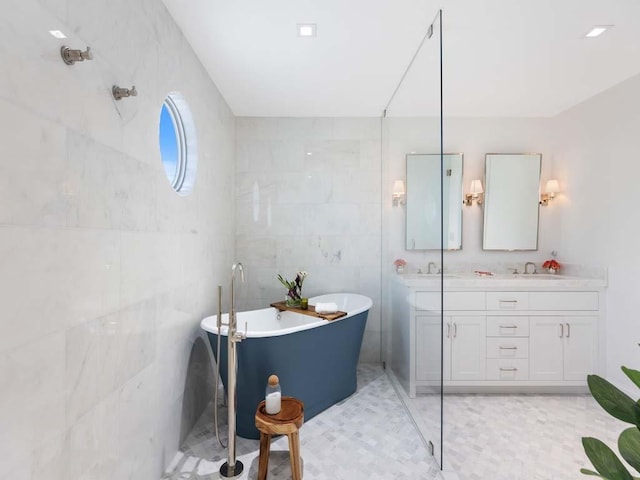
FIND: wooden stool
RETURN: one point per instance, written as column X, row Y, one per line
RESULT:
column 287, row 422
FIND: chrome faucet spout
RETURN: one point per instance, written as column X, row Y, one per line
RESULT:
column 526, row 267
column 232, row 313
column 431, row 264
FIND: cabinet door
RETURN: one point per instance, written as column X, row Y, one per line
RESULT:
column 545, row 348
column 468, row 348
column 428, row 347
column 579, row 347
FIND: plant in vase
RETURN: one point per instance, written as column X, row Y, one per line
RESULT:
column 551, row 266
column 294, row 289
column 400, row 264
column 621, row 406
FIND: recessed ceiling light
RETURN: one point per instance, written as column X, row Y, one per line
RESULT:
column 598, row 30
column 309, row 153
column 57, row 34
column 307, row 29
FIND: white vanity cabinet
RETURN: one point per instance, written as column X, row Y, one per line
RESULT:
column 564, row 343
column 495, row 338
column 463, row 347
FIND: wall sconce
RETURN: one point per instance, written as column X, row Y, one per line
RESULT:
column 550, row 192
column 399, row 193
column 475, row 194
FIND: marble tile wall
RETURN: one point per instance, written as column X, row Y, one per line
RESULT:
column 105, row 272
column 308, row 197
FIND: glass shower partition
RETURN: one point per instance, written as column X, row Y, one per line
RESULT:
column 416, row 186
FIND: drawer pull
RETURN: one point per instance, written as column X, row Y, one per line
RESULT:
column 508, row 326
column 508, row 348
column 508, row 303
column 510, row 369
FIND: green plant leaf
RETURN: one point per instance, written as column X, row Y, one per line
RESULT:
column 616, row 403
column 604, row 460
column 634, row 375
column 629, row 446
column 591, row 472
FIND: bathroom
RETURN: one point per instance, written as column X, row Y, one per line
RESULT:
column 106, row 272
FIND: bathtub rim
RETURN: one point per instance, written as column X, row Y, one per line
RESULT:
column 209, row 324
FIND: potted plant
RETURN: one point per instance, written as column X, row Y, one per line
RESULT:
column 622, row 407
column 552, row 266
column 400, row 264
column 294, row 289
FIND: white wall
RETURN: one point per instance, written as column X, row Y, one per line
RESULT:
column 319, row 212
column 597, row 146
column 105, row 272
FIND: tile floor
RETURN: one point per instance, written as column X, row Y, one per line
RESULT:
column 516, row 437
column 367, row 436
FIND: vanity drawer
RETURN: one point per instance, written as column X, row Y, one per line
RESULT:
column 452, row 301
column 563, row 300
column 507, row 369
column 507, row 326
column 517, row 347
column 507, row 300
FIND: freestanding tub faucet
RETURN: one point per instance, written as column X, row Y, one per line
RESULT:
column 232, row 468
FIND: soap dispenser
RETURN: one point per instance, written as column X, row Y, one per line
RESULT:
column 273, row 395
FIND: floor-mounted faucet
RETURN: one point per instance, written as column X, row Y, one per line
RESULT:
column 232, row 467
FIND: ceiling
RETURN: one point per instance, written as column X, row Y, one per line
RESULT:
column 522, row 58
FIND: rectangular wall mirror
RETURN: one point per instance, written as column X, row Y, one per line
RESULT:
column 423, row 201
column 512, row 190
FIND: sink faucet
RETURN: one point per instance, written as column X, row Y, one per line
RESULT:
column 431, row 264
column 526, row 267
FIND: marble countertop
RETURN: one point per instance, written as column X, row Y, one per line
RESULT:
column 503, row 281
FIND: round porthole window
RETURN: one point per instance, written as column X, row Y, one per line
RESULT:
column 178, row 147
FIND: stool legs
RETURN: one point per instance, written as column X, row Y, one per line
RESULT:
column 263, row 462
column 294, row 455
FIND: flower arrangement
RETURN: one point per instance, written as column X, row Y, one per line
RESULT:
column 552, row 266
column 400, row 264
column 294, row 288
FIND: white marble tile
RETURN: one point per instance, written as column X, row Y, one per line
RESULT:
column 92, row 361
column 150, row 264
column 110, row 190
column 32, row 404
column 335, row 219
column 92, row 443
column 52, row 278
column 33, row 173
column 357, row 129
column 332, row 155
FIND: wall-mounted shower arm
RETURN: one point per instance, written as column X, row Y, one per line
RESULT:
column 72, row 56
column 119, row 93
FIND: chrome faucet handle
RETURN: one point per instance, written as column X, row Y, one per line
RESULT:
column 514, row 271
column 239, row 336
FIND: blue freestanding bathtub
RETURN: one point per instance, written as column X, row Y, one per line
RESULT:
column 315, row 359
